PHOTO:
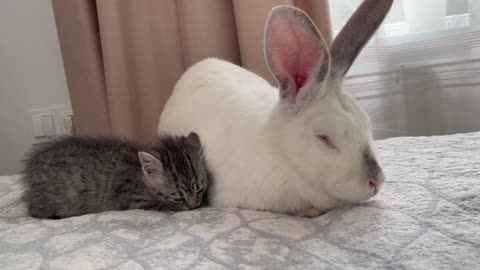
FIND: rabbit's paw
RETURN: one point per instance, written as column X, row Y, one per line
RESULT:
column 310, row 213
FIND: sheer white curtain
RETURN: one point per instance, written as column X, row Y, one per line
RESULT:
column 420, row 74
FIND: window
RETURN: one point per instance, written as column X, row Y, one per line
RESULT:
column 412, row 16
column 420, row 73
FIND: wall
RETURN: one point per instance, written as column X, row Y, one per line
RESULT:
column 31, row 74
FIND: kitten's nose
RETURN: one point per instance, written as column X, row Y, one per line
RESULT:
column 192, row 204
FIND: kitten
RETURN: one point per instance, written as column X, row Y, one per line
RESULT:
column 73, row 176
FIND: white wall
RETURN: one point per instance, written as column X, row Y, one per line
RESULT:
column 31, row 74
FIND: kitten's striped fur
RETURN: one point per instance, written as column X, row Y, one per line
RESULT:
column 73, row 176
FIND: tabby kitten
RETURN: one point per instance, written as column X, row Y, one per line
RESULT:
column 73, row 176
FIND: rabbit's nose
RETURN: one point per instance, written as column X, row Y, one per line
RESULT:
column 373, row 185
column 377, row 182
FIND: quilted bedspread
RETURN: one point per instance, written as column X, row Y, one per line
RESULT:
column 426, row 217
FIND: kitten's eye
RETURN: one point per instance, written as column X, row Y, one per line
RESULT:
column 326, row 140
column 179, row 200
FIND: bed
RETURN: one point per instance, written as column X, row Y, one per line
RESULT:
column 426, row 217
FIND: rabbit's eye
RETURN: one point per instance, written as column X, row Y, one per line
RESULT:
column 326, row 140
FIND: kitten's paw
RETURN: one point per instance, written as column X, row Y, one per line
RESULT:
column 310, row 213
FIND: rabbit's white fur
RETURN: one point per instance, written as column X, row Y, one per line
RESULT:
column 263, row 151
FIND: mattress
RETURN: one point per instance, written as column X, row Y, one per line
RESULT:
column 426, row 217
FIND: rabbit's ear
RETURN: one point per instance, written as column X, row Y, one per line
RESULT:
column 355, row 34
column 296, row 54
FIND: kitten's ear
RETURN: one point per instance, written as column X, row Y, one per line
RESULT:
column 193, row 141
column 150, row 164
column 153, row 170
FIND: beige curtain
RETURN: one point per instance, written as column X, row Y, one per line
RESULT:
column 122, row 58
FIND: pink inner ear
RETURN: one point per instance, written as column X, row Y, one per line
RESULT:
column 299, row 81
column 293, row 49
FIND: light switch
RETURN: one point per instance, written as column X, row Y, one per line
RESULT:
column 43, row 125
column 37, row 126
column 48, row 125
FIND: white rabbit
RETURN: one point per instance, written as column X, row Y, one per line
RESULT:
column 302, row 148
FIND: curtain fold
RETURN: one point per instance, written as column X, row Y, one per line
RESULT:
column 207, row 28
column 78, row 32
column 142, row 55
column 122, row 58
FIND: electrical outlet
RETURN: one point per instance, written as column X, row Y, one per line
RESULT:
column 52, row 121
column 64, row 122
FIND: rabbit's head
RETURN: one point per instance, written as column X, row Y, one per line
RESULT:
column 321, row 128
